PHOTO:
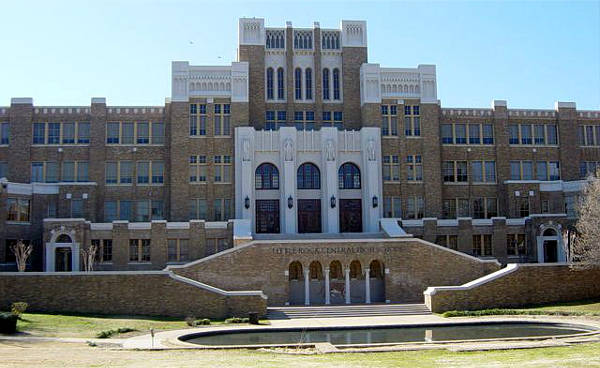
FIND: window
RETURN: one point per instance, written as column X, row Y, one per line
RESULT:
column 304, row 120
column 198, row 169
column 119, row 172
column 336, row 84
column 74, row 171
column 275, row 119
column 477, row 134
column 280, row 84
column 537, row 134
column 142, row 211
column 270, row 90
column 112, row 133
column 83, row 132
column 143, row 172
column 139, row 250
column 482, row 245
column 53, row 133
column 141, row 132
column 515, row 245
column 125, row 211
column 389, row 120
column 177, row 250
column 455, row 207
column 349, row 176
column 158, row 169
column 545, row 206
column 308, row 176
column 415, row 207
column 325, row 84
column 39, row 133
column 412, row 121
column 44, row 172
column 454, row 171
column 333, row 118
column 199, row 209
column 446, row 132
column 303, row 40
column 266, row 177
column 308, row 84
column 521, row 207
column 330, row 40
column 125, row 172
column 448, row 241
column 275, row 39
column 4, row 133
column 298, row 83
column 460, row 133
column 197, row 120
column 104, row 250
column 68, row 133
column 483, row 171
column 3, row 169
column 222, row 119
column 222, row 169
column 77, row 208
column 474, row 134
column 586, row 168
column 391, row 168
column 485, row 208
column 18, row 209
column 222, row 209
column 111, row 212
column 488, row 134
column 414, row 168
column 392, row 207
column 158, row 133
column 215, row 245
column 521, row 170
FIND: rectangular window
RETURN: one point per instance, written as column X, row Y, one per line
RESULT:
column 542, row 170
column 3, row 169
column 39, row 133
column 77, row 208
column 490, row 171
column 18, row 209
column 389, row 120
column 198, row 209
column 545, row 206
column 447, row 137
column 526, row 134
column 68, row 133
column 139, row 250
column 37, row 172
column 515, row 245
column 157, row 211
column 485, row 208
column 68, row 171
column 106, row 251
column 448, row 171
column 127, row 132
column 552, row 134
column 554, row 170
column 449, row 208
column 513, row 134
column 222, row 169
column 112, row 133
column 125, row 172
column 157, row 172
column 488, row 134
column 414, row 168
column 125, row 211
column 4, row 133
column 82, row 171
column 460, row 134
column 143, row 172
column 158, row 133
column 477, row 171
column 540, row 135
column 222, row 119
column 448, row 241
column 142, row 211
column 193, row 126
column 392, row 207
column 414, row 207
column 474, row 134
column 412, row 121
column 218, row 209
column 110, row 211
column 527, row 170
column 53, row 133
column 461, row 172
column 83, row 132
column 482, row 245
column 391, row 168
column 143, row 133
column 177, row 250
column 198, row 169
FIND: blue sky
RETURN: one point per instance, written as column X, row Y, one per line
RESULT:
column 529, row 53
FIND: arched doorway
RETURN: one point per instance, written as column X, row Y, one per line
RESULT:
column 357, row 283
column 317, row 283
column 377, row 281
column 550, row 244
column 336, row 283
column 296, row 283
column 266, row 185
column 350, row 204
column 62, row 253
column 308, row 177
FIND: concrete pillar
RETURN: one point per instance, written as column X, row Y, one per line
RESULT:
column 327, row 292
column 367, row 287
column 347, row 279
column 307, row 287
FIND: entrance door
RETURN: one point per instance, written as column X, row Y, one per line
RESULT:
column 309, row 215
column 350, row 216
column 550, row 251
column 267, row 216
column 63, row 260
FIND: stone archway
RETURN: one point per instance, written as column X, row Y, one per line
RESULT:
column 377, row 281
column 317, row 283
column 62, row 252
column 550, row 246
column 296, row 281
column 357, row 283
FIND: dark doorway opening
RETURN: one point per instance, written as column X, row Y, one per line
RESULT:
column 267, row 216
column 350, row 216
column 309, row 216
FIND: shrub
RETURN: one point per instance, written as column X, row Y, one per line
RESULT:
column 8, row 323
column 237, row 320
column 202, row 322
column 18, row 308
column 108, row 333
column 190, row 321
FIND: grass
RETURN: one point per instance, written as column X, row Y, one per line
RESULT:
column 577, row 308
column 80, row 355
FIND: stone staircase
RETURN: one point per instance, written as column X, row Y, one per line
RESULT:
column 352, row 310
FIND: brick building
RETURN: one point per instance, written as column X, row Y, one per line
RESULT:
column 302, row 134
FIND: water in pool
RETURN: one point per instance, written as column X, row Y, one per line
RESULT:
column 388, row 335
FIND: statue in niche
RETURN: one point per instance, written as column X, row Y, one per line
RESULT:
column 330, row 150
column 288, row 150
column 371, row 150
column 246, row 149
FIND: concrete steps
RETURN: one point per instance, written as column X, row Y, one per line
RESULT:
column 352, row 310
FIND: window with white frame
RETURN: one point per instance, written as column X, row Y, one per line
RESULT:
column 74, row 171
column 304, row 120
column 18, row 209
column 547, row 170
column 280, row 84
column 456, row 133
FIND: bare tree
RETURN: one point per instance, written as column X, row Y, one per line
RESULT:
column 586, row 248
column 22, row 252
column 89, row 256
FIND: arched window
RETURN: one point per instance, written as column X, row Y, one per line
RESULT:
column 308, row 83
column 270, row 94
column 326, row 84
column 280, row 84
column 316, row 272
column 267, row 177
column 63, row 238
column 336, row 84
column 308, row 176
column 298, row 83
column 335, row 270
column 549, row 232
column 295, row 271
column 349, row 176
column 355, row 270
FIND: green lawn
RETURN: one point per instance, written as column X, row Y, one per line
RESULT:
column 578, row 308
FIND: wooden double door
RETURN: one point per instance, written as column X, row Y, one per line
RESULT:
column 267, row 216
column 309, row 216
column 350, row 215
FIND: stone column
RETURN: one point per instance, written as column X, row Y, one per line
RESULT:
column 327, row 296
column 347, row 278
column 306, row 287
column 367, row 287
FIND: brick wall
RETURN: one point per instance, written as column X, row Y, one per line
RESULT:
column 122, row 293
column 519, row 285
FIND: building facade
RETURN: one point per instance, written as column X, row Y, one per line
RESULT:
column 302, row 134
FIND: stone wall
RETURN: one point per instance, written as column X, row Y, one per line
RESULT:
column 411, row 265
column 126, row 293
column 515, row 286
